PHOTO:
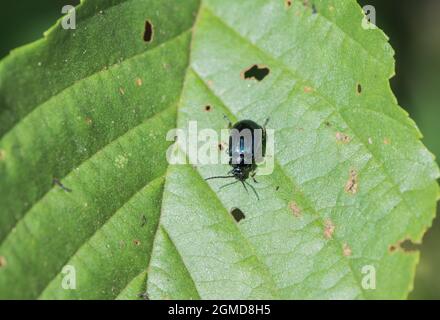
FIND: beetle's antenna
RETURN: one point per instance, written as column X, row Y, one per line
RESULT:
column 219, row 177
column 229, row 121
column 253, row 189
column 266, row 122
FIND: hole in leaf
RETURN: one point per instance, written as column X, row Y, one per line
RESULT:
column 148, row 33
column 208, row 108
column 406, row 245
column 256, row 72
column 237, row 214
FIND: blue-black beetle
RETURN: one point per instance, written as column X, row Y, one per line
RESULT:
column 247, row 147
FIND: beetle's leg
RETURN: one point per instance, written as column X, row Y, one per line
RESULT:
column 244, row 185
column 253, row 176
column 219, row 177
column 253, row 189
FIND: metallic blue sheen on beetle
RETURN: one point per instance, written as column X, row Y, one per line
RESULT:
column 247, row 147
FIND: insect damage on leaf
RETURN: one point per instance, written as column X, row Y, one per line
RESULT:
column 149, row 31
column 342, row 137
column 222, row 146
column 352, row 183
column 329, row 228
column 308, row 89
column 346, row 250
column 406, row 245
column 256, row 72
column 2, row 262
column 237, row 214
column 293, row 206
column 88, row 121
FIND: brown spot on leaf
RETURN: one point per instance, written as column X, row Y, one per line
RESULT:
column 346, row 250
column 352, row 183
column 149, row 31
column 139, row 82
column 342, row 137
column 359, row 88
column 329, row 229
column 2, row 262
column 208, row 108
column 308, row 89
column 122, row 91
column 137, row 242
column 257, row 72
column 293, row 206
column 210, row 83
column 386, row 141
column 2, row 154
column 88, row 121
column 221, row 146
column 288, row 3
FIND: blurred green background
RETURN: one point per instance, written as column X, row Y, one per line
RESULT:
column 414, row 30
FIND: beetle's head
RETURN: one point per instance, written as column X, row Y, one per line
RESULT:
column 239, row 173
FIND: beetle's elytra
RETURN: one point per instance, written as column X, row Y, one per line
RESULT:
column 247, row 147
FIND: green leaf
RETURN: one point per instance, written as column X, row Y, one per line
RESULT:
column 91, row 108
